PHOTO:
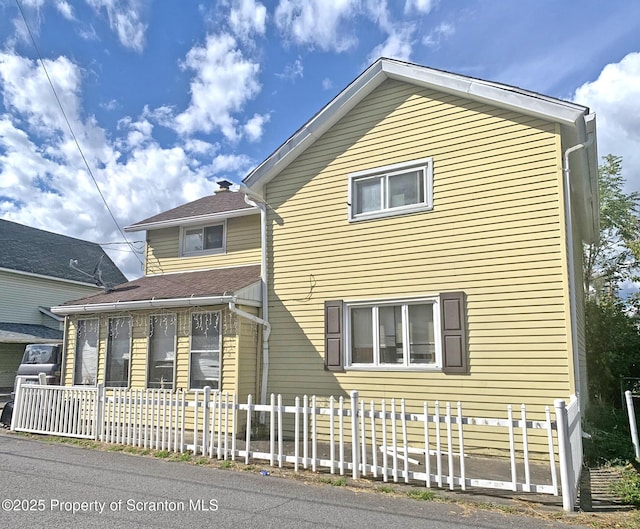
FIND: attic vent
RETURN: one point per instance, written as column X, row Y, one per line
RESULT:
column 224, row 185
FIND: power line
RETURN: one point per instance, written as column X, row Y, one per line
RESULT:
column 75, row 139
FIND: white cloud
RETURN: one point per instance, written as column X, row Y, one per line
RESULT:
column 421, row 6
column 247, row 17
column 254, row 127
column 125, row 18
column 441, row 32
column 224, row 81
column 65, row 9
column 615, row 98
column 44, row 182
column 398, row 45
column 292, row 70
column 318, row 23
column 327, row 84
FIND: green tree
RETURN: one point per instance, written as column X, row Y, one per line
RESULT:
column 615, row 258
column 612, row 321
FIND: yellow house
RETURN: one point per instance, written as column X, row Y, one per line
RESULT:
column 423, row 240
column 420, row 237
column 191, row 320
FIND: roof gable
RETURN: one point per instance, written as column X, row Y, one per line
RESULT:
column 33, row 251
column 576, row 124
column 223, row 204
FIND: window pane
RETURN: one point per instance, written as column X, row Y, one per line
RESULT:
column 205, row 350
column 422, row 348
column 205, row 370
column 162, row 332
column 118, row 352
column 390, row 335
column 361, row 336
column 368, row 195
column 406, row 189
column 213, row 237
column 86, row 362
column 192, row 241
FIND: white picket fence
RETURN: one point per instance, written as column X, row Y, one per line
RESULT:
column 364, row 439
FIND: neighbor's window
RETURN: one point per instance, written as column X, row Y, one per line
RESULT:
column 390, row 190
column 118, row 352
column 204, row 367
column 86, row 357
column 162, row 351
column 203, row 239
column 393, row 334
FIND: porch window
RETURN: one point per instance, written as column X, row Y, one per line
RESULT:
column 118, row 352
column 162, row 351
column 205, row 350
column 203, row 240
column 401, row 334
column 391, row 190
column 86, row 354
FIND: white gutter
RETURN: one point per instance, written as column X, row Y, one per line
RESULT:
column 570, row 260
column 149, row 304
column 265, row 300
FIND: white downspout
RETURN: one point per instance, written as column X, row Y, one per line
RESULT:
column 265, row 299
column 571, row 261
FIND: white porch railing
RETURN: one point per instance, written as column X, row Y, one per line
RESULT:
column 365, row 439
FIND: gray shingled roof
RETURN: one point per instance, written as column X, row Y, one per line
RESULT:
column 41, row 252
column 217, row 282
column 221, row 202
column 28, row 333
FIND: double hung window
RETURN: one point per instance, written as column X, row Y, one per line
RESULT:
column 205, row 350
column 86, row 354
column 162, row 351
column 118, row 352
column 203, row 239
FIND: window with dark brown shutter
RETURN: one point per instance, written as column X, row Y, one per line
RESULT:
column 333, row 336
column 454, row 333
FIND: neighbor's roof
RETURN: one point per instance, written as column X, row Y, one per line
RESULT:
column 223, row 204
column 34, row 251
column 576, row 124
column 187, row 288
column 28, row 333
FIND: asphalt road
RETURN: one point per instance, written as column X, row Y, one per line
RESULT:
column 54, row 485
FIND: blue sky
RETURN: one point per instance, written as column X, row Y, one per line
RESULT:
column 167, row 97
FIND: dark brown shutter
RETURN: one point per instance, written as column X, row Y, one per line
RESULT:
column 454, row 332
column 333, row 336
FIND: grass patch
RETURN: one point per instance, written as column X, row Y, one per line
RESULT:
column 610, row 442
column 628, row 487
column 334, row 482
column 202, row 461
column 386, row 489
column 226, row 465
column 186, row 456
column 162, row 454
column 424, row 495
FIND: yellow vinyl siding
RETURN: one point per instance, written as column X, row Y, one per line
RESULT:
column 242, row 248
column 496, row 232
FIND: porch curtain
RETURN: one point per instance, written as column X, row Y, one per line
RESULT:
column 86, row 364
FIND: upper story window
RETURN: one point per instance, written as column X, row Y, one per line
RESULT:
column 203, row 239
column 391, row 190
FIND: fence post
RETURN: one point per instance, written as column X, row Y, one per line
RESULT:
column 205, row 420
column 632, row 423
column 99, row 412
column 355, row 437
column 17, row 403
column 564, row 454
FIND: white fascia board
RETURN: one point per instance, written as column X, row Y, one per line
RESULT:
column 117, row 306
column 502, row 96
column 192, row 221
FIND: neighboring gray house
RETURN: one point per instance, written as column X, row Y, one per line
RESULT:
column 35, row 275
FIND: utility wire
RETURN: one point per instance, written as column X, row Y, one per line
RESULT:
column 75, row 139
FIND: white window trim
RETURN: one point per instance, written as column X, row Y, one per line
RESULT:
column 214, row 251
column 406, row 366
column 107, row 353
column 218, row 314
column 385, row 171
column 175, row 349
